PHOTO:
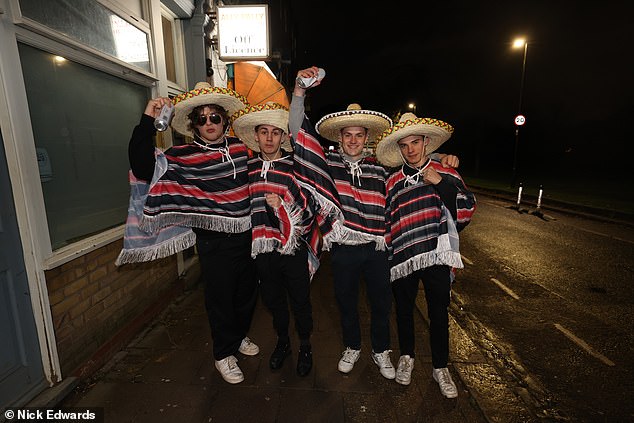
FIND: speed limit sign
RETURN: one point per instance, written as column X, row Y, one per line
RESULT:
column 520, row 120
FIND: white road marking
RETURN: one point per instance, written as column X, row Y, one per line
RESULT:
column 466, row 260
column 605, row 235
column 583, row 344
column 505, row 288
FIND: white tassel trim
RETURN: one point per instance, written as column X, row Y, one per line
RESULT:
column 442, row 255
column 262, row 245
column 267, row 245
column 343, row 235
column 232, row 225
column 327, row 207
column 294, row 214
column 158, row 251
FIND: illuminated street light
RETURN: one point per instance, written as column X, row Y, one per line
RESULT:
column 412, row 107
column 519, row 43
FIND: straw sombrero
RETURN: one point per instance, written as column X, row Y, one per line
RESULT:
column 387, row 150
column 244, row 122
column 330, row 126
column 201, row 95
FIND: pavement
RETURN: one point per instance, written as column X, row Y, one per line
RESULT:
column 167, row 374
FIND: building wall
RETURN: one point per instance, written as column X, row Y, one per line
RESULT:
column 97, row 307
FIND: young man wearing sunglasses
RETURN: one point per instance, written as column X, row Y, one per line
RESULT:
column 203, row 186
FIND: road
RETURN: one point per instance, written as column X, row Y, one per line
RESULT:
column 550, row 299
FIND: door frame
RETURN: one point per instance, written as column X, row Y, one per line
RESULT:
column 28, row 200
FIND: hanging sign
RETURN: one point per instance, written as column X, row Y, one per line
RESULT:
column 243, row 32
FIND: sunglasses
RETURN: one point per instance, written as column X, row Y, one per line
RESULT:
column 215, row 118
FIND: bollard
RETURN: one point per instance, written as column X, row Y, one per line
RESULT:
column 538, row 210
column 519, row 198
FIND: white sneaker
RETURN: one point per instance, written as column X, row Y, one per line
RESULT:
column 229, row 370
column 404, row 370
column 385, row 364
column 348, row 358
column 247, row 347
column 447, row 387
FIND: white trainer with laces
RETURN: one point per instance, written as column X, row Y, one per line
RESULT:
column 447, row 387
column 348, row 358
column 229, row 370
column 247, row 347
column 404, row 370
column 385, row 364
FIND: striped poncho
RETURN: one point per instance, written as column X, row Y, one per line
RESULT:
column 280, row 230
column 361, row 189
column 352, row 198
column 203, row 187
column 422, row 229
column 140, row 246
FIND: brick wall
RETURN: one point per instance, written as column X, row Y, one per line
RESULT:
column 97, row 307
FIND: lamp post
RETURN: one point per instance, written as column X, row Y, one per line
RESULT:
column 519, row 43
column 412, row 107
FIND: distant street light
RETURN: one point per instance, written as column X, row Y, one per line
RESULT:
column 412, row 107
column 519, row 43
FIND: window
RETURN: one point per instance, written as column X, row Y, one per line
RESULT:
column 94, row 25
column 168, row 44
column 173, row 48
column 82, row 120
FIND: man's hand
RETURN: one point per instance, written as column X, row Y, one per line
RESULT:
column 273, row 200
column 449, row 160
column 155, row 105
column 310, row 72
column 430, row 176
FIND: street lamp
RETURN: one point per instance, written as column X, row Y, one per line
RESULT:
column 519, row 43
column 412, row 107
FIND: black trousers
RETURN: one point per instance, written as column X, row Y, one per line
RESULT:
column 437, row 285
column 349, row 262
column 228, row 272
column 284, row 280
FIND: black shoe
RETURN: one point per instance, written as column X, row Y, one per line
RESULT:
column 281, row 351
column 304, row 360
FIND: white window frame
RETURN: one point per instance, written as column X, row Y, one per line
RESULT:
column 136, row 21
column 19, row 144
column 175, row 88
column 53, row 258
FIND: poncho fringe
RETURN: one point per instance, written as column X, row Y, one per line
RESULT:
column 157, row 251
column 212, row 223
column 442, row 255
column 340, row 234
column 267, row 245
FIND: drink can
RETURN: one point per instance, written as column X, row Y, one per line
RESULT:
column 308, row 82
column 162, row 121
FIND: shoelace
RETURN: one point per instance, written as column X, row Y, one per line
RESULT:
column 384, row 358
column 348, row 355
column 232, row 363
column 224, row 151
column 404, row 366
column 444, row 377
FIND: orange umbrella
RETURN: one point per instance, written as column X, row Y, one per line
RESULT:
column 258, row 85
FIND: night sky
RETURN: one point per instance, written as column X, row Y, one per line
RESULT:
column 454, row 60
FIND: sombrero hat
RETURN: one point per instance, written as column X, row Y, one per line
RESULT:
column 330, row 126
column 201, row 95
column 244, row 122
column 387, row 150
